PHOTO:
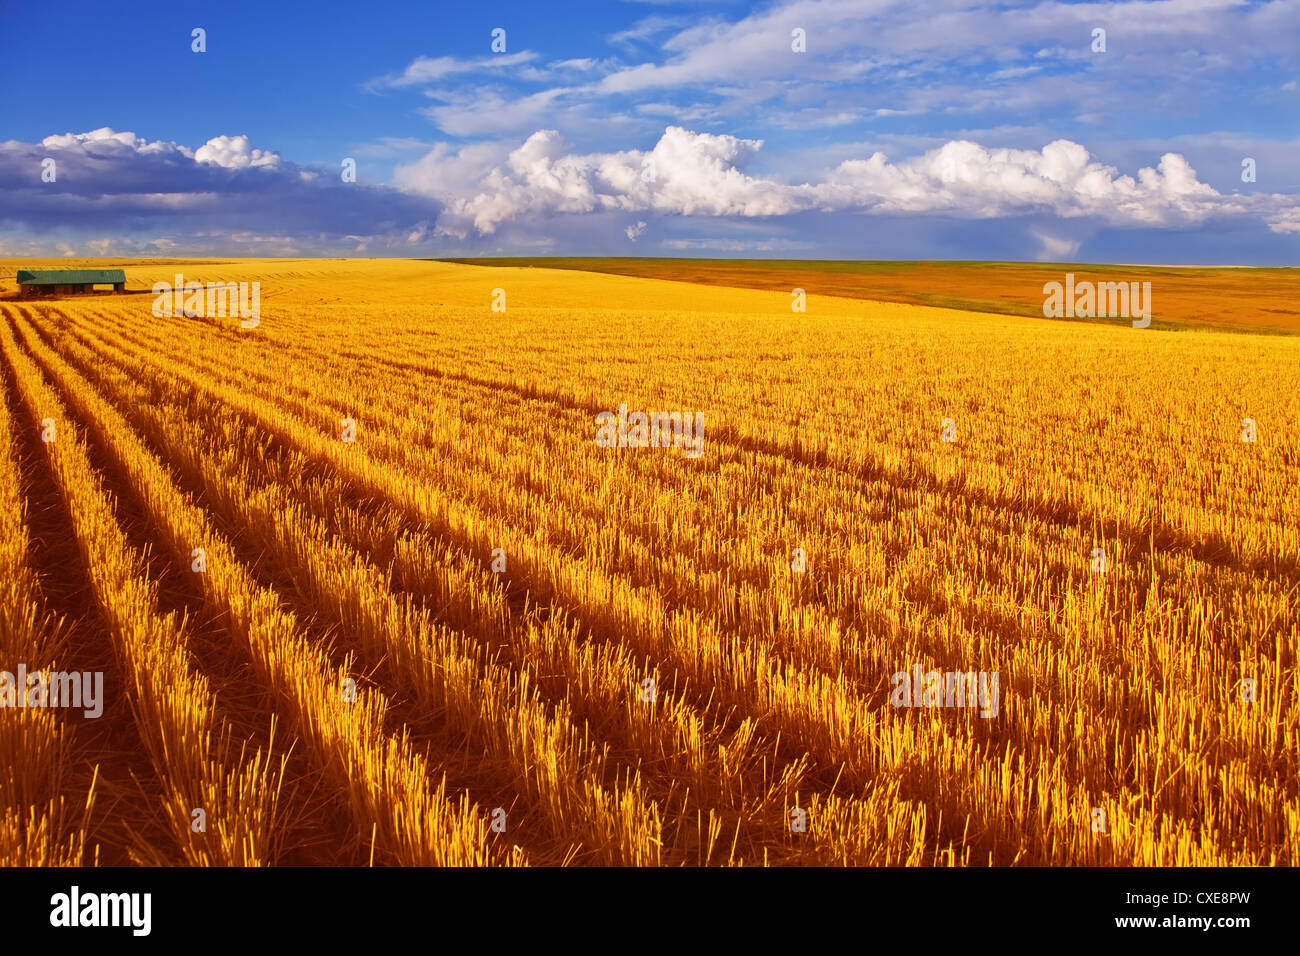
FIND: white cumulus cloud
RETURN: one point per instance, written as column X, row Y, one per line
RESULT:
column 701, row 174
column 235, row 152
column 109, row 142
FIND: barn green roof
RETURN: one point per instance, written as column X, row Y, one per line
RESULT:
column 70, row 276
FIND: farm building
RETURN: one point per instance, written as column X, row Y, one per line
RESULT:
column 68, row 281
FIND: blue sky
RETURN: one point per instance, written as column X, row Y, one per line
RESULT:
column 952, row 129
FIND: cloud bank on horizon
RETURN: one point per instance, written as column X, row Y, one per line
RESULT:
column 812, row 128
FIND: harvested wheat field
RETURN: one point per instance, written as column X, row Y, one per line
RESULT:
column 365, row 587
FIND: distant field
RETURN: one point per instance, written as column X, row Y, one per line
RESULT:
column 1240, row 299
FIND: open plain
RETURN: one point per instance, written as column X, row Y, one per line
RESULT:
column 365, row 588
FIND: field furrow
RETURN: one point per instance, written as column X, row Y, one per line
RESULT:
column 174, row 711
column 386, row 782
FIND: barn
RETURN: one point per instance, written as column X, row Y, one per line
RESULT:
column 32, row 282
